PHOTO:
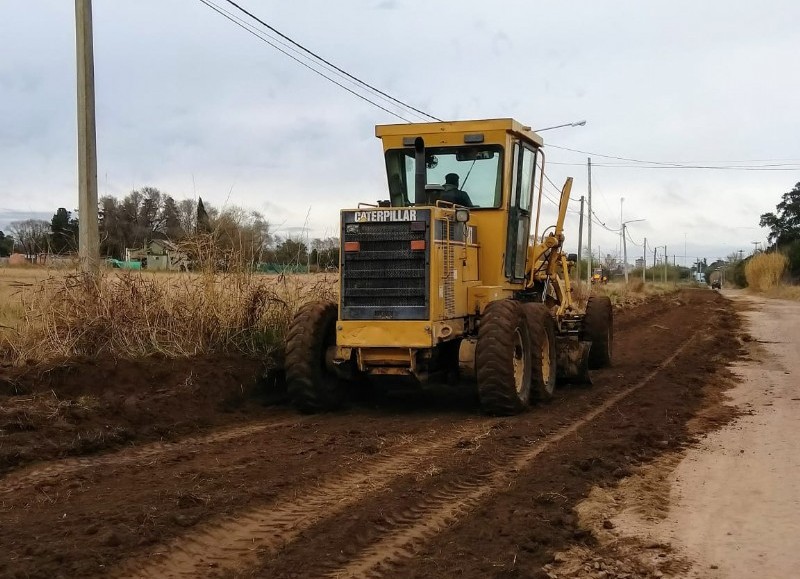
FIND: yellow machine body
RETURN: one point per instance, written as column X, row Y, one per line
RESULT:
column 467, row 263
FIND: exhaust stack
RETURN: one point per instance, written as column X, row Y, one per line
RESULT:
column 420, row 172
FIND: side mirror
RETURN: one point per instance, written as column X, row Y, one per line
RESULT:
column 572, row 257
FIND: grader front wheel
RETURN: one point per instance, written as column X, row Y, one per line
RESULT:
column 598, row 328
column 311, row 387
column 503, row 359
column 542, row 329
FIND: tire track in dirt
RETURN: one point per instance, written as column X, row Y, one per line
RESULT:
column 416, row 525
column 236, row 543
column 59, row 469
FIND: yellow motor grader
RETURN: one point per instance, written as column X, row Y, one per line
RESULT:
column 452, row 278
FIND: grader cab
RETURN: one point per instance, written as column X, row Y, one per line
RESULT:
column 452, row 278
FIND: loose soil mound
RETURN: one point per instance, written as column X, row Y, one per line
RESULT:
column 88, row 406
column 385, row 488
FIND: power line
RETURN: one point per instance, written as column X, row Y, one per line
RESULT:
column 329, row 63
column 773, row 163
column 557, row 190
column 306, row 65
column 558, row 196
column 628, row 235
column 252, row 29
column 597, row 220
column 787, row 167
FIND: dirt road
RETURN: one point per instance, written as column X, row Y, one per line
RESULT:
column 403, row 488
column 733, row 500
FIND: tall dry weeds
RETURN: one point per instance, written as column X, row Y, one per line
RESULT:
column 765, row 271
column 136, row 314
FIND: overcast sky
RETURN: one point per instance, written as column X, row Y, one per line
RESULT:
column 191, row 104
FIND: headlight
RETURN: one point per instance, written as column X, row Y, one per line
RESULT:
column 351, row 228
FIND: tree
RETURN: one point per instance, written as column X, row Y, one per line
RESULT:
column 32, row 236
column 329, row 253
column 291, row 252
column 229, row 238
column 784, row 225
column 6, row 245
column 142, row 216
column 63, row 232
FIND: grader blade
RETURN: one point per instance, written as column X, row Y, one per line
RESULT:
column 573, row 361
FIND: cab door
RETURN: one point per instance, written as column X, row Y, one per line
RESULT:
column 519, row 211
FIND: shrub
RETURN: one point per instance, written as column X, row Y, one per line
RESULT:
column 765, row 270
column 792, row 252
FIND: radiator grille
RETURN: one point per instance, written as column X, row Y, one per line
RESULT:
column 385, row 279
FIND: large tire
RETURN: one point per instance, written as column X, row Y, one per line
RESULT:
column 598, row 328
column 503, row 359
column 311, row 387
column 542, row 330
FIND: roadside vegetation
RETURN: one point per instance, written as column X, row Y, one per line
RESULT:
column 636, row 291
column 138, row 314
column 764, row 271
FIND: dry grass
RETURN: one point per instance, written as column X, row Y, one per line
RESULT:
column 635, row 292
column 18, row 413
column 13, row 283
column 57, row 316
column 50, row 316
column 765, row 270
column 785, row 292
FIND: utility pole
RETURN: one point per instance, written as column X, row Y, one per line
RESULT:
column 580, row 240
column 655, row 258
column 666, row 263
column 88, row 234
column 589, row 226
column 624, row 254
column 621, row 226
column 644, row 260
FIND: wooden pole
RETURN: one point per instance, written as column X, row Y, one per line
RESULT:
column 88, row 234
column 589, row 225
column 580, row 241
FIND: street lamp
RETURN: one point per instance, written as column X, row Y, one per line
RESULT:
column 575, row 124
column 625, row 246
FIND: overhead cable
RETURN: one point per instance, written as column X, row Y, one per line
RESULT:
column 330, row 64
column 628, row 235
column 766, row 165
column 269, row 41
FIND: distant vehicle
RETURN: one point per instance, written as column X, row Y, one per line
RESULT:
column 599, row 275
column 716, row 284
column 700, row 277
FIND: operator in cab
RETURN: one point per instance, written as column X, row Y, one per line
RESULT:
column 452, row 194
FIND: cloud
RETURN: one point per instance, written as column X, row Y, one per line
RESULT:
column 7, row 216
column 191, row 104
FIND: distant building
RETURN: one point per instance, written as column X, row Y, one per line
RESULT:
column 160, row 255
column 640, row 262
